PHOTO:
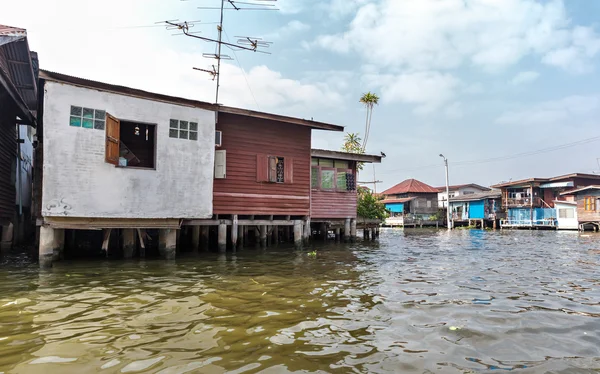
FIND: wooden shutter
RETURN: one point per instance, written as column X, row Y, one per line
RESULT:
column 272, row 169
column 288, row 170
column 220, row 164
column 262, row 173
column 113, row 131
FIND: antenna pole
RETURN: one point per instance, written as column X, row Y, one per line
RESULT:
column 219, row 44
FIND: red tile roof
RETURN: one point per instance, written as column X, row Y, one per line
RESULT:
column 410, row 186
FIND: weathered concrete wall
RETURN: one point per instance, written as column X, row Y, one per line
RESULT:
column 77, row 182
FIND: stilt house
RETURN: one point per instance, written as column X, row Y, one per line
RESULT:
column 18, row 105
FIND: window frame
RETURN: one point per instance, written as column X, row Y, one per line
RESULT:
column 589, row 203
column 94, row 119
column 118, row 141
column 179, row 129
column 336, row 170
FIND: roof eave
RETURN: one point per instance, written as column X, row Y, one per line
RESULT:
column 337, row 155
column 280, row 118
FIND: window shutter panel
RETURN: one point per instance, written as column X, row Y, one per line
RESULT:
column 288, row 170
column 220, row 164
column 113, row 131
column 262, row 174
column 272, row 169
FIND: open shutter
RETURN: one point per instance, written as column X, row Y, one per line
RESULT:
column 272, row 169
column 220, row 164
column 113, row 131
column 288, row 170
column 262, row 171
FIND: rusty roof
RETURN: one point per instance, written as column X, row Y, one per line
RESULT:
column 542, row 180
column 398, row 201
column 410, row 186
column 477, row 196
column 128, row 91
column 459, row 186
column 577, row 190
column 337, row 155
column 17, row 70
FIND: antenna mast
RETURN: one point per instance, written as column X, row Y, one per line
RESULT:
column 243, row 43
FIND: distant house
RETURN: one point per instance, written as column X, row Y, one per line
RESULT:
column 587, row 200
column 18, row 106
column 566, row 215
column 483, row 208
column 530, row 203
column 458, row 190
column 410, row 200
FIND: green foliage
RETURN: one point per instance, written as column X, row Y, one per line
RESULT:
column 312, row 254
column 369, row 99
column 370, row 206
column 352, row 145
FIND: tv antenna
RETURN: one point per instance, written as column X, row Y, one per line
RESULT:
column 244, row 43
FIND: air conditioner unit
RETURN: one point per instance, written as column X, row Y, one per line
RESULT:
column 218, row 138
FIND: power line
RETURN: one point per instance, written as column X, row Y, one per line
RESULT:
column 503, row 158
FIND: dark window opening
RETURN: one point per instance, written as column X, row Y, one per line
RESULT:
column 137, row 147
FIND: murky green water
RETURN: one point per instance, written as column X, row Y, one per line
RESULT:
column 415, row 302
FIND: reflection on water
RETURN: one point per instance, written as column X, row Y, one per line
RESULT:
column 416, row 301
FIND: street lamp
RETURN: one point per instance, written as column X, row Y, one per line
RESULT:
column 449, row 223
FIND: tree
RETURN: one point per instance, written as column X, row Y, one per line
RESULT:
column 352, row 145
column 369, row 99
column 369, row 205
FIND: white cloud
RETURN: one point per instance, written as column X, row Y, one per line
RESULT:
column 94, row 46
column 447, row 34
column 292, row 28
column 524, row 77
column 428, row 90
column 571, row 111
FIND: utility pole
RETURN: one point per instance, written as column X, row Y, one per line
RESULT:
column 449, row 222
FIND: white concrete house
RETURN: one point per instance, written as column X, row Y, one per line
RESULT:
column 116, row 157
column 458, row 190
column 566, row 215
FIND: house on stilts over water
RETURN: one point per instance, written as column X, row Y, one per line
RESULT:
column 149, row 171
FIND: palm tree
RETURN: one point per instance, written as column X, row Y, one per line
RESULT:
column 369, row 99
column 352, row 145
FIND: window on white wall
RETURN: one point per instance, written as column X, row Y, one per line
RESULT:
column 87, row 118
column 183, row 129
column 566, row 213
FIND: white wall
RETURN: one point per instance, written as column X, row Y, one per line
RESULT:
column 442, row 196
column 78, row 183
column 566, row 223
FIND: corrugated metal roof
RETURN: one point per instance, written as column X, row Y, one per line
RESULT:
column 573, row 192
column 477, row 196
column 410, row 186
column 336, row 155
column 459, row 186
column 398, row 201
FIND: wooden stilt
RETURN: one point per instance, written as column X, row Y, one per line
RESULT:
column 372, row 233
column 204, row 238
column 241, row 237
column 263, row 236
column 323, row 230
column 142, row 236
column 366, row 234
column 196, row 238
column 222, row 238
column 337, row 234
column 276, row 235
column 106, row 240
column 128, row 243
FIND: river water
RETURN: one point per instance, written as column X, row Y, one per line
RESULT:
column 416, row 301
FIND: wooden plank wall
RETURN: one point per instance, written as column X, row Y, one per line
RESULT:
column 244, row 138
column 8, row 154
column 582, row 214
column 333, row 204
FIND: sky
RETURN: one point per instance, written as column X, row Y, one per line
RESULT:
column 487, row 83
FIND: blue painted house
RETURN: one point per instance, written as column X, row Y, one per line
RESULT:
column 483, row 207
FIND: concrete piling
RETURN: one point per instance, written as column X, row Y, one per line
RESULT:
column 167, row 243
column 204, row 238
column 7, row 237
column 263, row 236
column 353, row 229
column 347, row 228
column 306, row 232
column 46, row 249
column 222, row 238
column 234, row 232
column 241, row 237
column 298, row 234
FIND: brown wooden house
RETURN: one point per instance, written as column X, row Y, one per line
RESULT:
column 588, row 206
column 333, row 199
column 18, row 104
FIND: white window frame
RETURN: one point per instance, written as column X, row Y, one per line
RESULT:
column 182, row 126
column 98, row 117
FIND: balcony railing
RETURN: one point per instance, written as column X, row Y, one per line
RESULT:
column 522, row 202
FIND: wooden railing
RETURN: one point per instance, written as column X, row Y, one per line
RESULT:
column 522, row 202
